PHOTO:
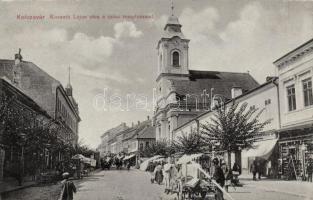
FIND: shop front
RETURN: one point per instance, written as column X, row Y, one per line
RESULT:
column 265, row 153
column 295, row 152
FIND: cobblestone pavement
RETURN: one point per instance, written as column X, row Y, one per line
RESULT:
column 48, row 192
column 118, row 185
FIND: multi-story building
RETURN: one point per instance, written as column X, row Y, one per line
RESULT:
column 182, row 94
column 288, row 101
column 295, row 71
column 145, row 138
column 19, row 112
column 47, row 92
column 108, row 140
column 130, row 143
column 263, row 97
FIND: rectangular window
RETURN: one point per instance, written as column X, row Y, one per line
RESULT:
column 291, row 96
column 307, row 92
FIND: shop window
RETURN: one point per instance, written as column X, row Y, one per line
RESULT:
column 307, row 92
column 291, row 96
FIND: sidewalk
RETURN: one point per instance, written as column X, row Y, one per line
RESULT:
column 12, row 185
column 296, row 188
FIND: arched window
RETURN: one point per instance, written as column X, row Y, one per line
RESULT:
column 175, row 58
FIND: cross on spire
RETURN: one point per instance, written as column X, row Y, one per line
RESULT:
column 172, row 8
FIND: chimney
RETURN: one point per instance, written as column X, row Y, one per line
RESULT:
column 132, row 124
column 148, row 117
column 235, row 92
column 138, row 122
column 18, row 57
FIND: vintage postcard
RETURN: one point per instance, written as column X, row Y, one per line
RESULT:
column 156, row 99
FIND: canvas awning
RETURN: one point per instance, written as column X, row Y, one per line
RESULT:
column 262, row 149
column 187, row 158
column 129, row 157
column 144, row 164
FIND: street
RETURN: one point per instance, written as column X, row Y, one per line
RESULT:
column 135, row 185
column 118, row 185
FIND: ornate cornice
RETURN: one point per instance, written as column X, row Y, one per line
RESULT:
column 296, row 54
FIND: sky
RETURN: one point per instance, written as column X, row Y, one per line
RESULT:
column 113, row 59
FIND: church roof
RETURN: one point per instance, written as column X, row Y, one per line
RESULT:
column 170, row 31
column 222, row 82
column 173, row 20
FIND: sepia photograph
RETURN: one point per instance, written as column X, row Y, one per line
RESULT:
column 156, row 99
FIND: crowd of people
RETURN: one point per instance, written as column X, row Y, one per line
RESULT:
column 117, row 160
column 172, row 175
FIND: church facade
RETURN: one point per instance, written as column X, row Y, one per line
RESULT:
column 182, row 93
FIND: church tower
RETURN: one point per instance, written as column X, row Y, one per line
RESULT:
column 173, row 50
column 173, row 65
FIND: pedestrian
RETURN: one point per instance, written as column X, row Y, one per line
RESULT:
column 236, row 172
column 259, row 169
column 68, row 187
column 237, row 168
column 128, row 165
column 310, row 170
column 167, row 176
column 219, row 177
column 253, row 169
column 158, row 174
column 227, row 175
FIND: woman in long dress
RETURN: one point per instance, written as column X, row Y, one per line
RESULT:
column 158, row 174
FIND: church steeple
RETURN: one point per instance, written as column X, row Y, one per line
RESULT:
column 173, row 24
column 69, row 88
column 173, row 49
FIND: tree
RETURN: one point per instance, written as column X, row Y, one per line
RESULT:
column 234, row 128
column 160, row 147
column 84, row 149
column 190, row 144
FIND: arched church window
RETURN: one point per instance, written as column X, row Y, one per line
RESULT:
column 175, row 58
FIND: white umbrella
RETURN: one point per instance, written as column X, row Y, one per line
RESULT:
column 78, row 157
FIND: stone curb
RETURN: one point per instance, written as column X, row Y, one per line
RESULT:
column 17, row 188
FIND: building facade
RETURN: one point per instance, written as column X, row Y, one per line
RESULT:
column 109, row 142
column 263, row 97
column 182, row 94
column 295, row 71
column 19, row 115
column 47, row 92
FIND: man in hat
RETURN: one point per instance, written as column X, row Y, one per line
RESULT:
column 219, row 177
column 68, row 187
